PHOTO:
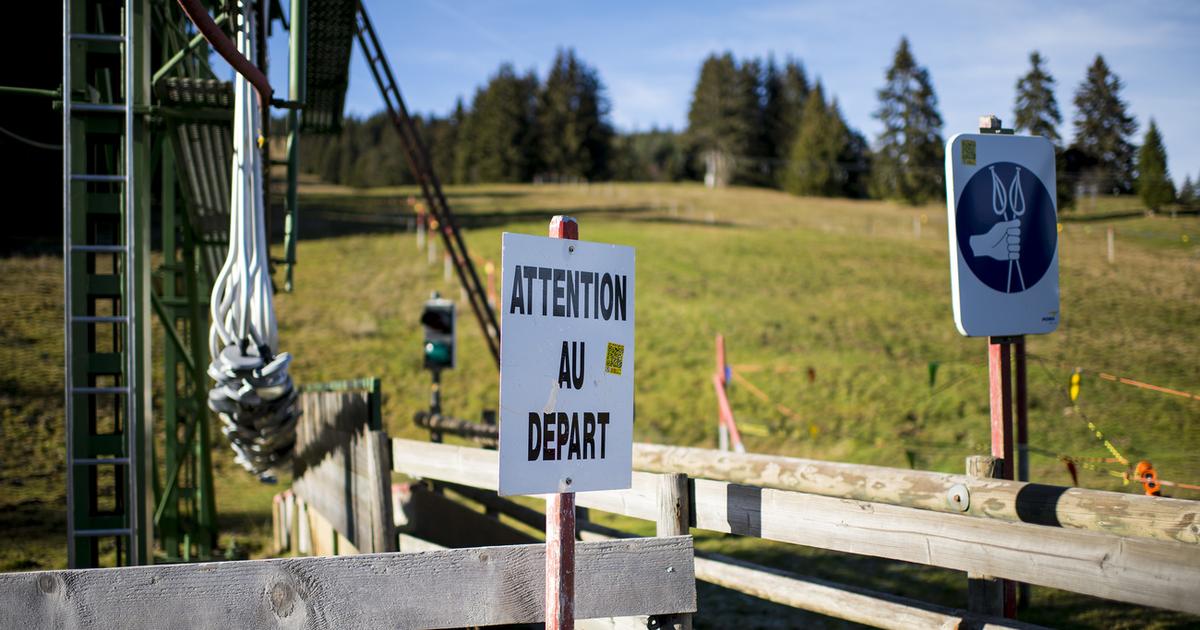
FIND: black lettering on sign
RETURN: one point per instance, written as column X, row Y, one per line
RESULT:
column 544, row 274
column 570, row 366
column 555, row 436
column 548, row 436
column 564, row 434
column 560, row 310
column 573, row 447
column 586, row 280
column 589, row 435
column 529, row 277
column 535, row 435
column 619, row 285
column 572, row 293
column 602, row 419
column 517, row 303
column 606, row 296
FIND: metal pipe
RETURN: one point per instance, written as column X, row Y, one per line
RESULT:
column 297, row 92
column 132, row 422
column 183, row 52
column 24, row 91
column 68, row 307
column 226, row 48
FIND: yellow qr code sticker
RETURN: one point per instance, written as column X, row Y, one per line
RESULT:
column 614, row 358
column 968, row 152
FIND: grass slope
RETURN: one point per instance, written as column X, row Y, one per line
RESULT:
column 834, row 309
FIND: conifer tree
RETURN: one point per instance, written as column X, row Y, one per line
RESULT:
column 501, row 132
column 828, row 158
column 717, row 125
column 812, row 167
column 786, row 92
column 1103, row 128
column 908, row 162
column 1036, row 108
column 575, row 135
column 1153, row 183
column 1187, row 193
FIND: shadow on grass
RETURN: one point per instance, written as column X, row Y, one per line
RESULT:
column 321, row 221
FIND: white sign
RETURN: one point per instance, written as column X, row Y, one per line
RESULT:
column 566, row 366
column 1003, row 227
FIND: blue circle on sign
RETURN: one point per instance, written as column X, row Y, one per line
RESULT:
column 1006, row 227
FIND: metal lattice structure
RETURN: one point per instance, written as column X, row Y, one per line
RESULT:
column 147, row 132
column 330, row 35
column 105, row 271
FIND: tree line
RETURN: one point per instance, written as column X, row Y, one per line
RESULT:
column 754, row 122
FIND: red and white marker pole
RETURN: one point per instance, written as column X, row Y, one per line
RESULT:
column 560, row 515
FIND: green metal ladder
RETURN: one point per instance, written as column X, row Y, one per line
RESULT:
column 105, row 253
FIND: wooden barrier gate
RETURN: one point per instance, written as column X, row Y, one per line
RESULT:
column 341, row 503
column 1056, row 537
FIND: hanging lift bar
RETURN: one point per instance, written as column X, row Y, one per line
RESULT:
column 431, row 188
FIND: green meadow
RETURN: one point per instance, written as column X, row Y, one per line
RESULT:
column 837, row 321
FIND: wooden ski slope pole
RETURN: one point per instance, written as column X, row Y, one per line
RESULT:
column 560, row 515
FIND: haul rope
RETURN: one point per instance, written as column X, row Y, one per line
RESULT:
column 253, row 395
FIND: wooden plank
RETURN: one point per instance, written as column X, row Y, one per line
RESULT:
column 1150, row 572
column 384, row 538
column 1112, row 512
column 343, row 469
column 469, row 466
column 479, row 468
column 837, row 600
column 435, row 589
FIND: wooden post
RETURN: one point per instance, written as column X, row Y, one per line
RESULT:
column 420, row 211
column 727, row 426
column 674, row 517
column 985, row 594
column 1000, row 395
column 722, row 430
column 1022, row 393
column 560, row 515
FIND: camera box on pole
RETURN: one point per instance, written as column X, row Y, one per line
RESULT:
column 1003, row 228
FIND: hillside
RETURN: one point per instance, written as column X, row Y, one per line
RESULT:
column 832, row 309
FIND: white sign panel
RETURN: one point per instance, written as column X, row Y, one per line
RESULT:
column 1003, row 227
column 566, row 366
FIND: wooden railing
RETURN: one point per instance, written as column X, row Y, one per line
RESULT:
column 1160, row 567
column 340, row 504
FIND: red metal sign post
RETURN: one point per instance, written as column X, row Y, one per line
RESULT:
column 1001, row 398
column 560, row 516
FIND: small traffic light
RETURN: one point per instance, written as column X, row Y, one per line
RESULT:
column 438, row 320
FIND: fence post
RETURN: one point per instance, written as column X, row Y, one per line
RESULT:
column 674, row 518
column 985, row 594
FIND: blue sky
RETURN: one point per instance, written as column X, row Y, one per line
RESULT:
column 649, row 53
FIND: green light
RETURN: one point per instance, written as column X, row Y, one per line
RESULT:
column 437, row 352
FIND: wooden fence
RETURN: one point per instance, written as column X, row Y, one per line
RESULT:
column 1160, row 566
column 342, row 469
column 341, row 504
column 433, row 589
